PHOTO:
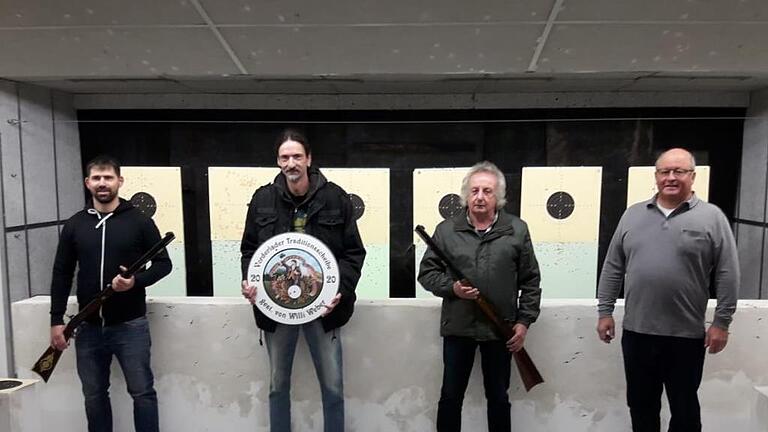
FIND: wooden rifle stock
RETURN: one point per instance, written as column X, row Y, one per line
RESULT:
column 47, row 362
column 529, row 373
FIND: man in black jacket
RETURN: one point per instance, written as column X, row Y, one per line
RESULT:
column 302, row 200
column 102, row 240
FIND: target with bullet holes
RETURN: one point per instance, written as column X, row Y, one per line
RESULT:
column 450, row 206
column 145, row 202
column 561, row 206
column 368, row 189
column 156, row 192
column 230, row 190
column 435, row 198
column 358, row 206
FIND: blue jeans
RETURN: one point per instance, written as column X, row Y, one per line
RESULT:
column 458, row 357
column 325, row 349
column 130, row 343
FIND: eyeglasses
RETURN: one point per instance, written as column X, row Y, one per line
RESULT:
column 678, row 172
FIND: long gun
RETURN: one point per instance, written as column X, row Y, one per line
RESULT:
column 528, row 372
column 47, row 362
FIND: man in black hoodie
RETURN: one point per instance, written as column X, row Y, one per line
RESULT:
column 103, row 239
column 302, row 200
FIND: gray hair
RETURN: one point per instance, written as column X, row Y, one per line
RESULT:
column 501, row 183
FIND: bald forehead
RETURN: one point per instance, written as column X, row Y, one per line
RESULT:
column 675, row 156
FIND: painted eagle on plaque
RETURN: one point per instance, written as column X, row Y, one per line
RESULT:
column 295, row 275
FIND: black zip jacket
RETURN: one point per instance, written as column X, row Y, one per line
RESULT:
column 329, row 218
column 100, row 244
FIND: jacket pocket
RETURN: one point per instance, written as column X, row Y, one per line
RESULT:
column 695, row 244
column 330, row 229
column 330, row 218
column 266, row 224
column 693, row 240
column 330, row 222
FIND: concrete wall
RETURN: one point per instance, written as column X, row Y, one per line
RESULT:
column 41, row 185
column 752, row 222
column 212, row 374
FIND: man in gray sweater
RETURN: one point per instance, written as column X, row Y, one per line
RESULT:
column 667, row 251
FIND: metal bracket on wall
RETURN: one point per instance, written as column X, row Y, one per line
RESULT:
column 16, row 122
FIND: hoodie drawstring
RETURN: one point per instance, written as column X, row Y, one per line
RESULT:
column 103, row 224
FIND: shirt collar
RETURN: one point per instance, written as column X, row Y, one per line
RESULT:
column 487, row 230
column 691, row 202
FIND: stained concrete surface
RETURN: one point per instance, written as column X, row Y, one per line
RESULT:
column 212, row 374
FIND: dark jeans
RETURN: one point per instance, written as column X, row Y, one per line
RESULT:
column 130, row 343
column 652, row 362
column 458, row 357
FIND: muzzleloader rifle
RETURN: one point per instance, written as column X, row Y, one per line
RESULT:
column 529, row 374
column 47, row 362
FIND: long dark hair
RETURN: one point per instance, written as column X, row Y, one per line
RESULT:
column 293, row 135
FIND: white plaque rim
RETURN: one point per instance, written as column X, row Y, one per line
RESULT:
column 295, row 241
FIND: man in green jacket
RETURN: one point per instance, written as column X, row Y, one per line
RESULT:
column 494, row 250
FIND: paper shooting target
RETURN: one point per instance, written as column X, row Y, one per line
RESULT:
column 145, row 203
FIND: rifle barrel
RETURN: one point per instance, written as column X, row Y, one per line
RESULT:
column 529, row 373
column 47, row 362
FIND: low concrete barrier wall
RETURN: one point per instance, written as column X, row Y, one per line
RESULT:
column 212, row 374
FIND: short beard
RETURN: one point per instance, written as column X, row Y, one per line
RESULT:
column 293, row 177
column 105, row 200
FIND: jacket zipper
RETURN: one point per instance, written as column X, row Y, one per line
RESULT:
column 103, row 224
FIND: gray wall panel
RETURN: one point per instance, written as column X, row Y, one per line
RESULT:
column 754, row 159
column 68, row 166
column 18, row 276
column 11, row 155
column 753, row 170
column 41, row 182
column 42, row 250
column 750, row 245
column 753, row 252
column 37, row 150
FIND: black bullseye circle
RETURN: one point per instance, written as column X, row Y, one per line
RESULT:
column 358, row 206
column 560, row 205
column 145, row 203
column 449, row 206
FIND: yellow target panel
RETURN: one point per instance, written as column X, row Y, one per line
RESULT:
column 562, row 208
column 435, row 198
column 156, row 191
column 641, row 183
column 230, row 191
column 369, row 191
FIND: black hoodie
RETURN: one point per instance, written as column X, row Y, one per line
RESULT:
column 100, row 244
column 329, row 218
